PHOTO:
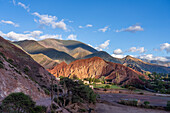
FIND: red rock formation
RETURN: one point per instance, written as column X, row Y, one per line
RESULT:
column 96, row 67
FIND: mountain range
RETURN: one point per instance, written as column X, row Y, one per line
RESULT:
column 70, row 50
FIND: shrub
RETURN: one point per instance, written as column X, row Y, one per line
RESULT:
column 40, row 109
column 1, row 66
column 168, row 106
column 146, row 103
column 82, row 110
column 107, row 86
column 130, row 102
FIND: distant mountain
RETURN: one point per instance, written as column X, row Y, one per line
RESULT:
column 96, row 67
column 104, row 55
column 74, row 48
column 44, row 61
column 20, row 73
column 131, row 60
column 162, row 63
column 33, row 47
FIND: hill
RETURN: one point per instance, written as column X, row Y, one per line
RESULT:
column 74, row 48
column 33, row 47
column 96, row 67
column 44, row 61
column 20, row 73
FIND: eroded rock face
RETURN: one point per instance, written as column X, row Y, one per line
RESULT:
column 96, row 67
column 20, row 73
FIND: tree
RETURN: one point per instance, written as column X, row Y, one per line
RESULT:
column 18, row 102
column 103, row 79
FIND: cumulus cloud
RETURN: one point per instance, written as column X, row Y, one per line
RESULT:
column 51, row 36
column 9, row 22
column 24, row 6
column 103, row 46
column 50, row 21
column 103, row 29
column 118, row 51
column 118, row 56
column 86, row 26
column 134, row 49
column 165, row 46
column 152, row 57
column 34, row 35
column 89, row 25
column 133, row 29
column 72, row 37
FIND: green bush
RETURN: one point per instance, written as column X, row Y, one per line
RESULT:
column 146, row 103
column 1, row 66
column 82, row 110
column 40, row 109
column 130, row 102
column 107, row 86
column 46, row 92
column 168, row 106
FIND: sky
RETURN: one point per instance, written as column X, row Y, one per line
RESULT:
column 140, row 28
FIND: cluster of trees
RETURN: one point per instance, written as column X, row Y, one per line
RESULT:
column 158, row 82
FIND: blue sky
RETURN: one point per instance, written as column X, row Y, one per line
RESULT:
column 140, row 28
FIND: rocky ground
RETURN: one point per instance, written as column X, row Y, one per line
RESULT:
column 108, row 103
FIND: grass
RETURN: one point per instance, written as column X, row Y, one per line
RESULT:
column 103, row 86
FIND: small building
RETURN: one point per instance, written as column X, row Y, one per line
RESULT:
column 86, row 82
column 91, row 86
column 58, row 79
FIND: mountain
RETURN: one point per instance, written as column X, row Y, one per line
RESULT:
column 20, row 73
column 96, row 67
column 44, row 61
column 74, row 48
column 129, row 61
column 162, row 63
column 104, row 55
column 146, row 66
column 33, row 47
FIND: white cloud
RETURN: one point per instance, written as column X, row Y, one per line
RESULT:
column 72, row 37
column 103, row 29
column 133, row 29
column 89, row 25
column 152, row 57
column 16, row 36
column 51, row 36
column 165, row 46
column 118, row 56
column 118, row 51
column 9, row 22
column 24, row 6
column 34, row 35
column 103, row 46
column 50, row 21
column 80, row 26
column 134, row 49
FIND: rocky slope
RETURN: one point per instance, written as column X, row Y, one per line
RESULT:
column 19, row 72
column 96, row 67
